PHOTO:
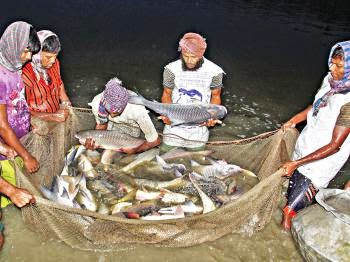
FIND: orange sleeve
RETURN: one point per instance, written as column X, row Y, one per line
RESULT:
column 28, row 82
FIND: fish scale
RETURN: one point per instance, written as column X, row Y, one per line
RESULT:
column 183, row 113
column 109, row 139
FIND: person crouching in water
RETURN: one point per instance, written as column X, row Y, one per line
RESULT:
column 45, row 92
column 323, row 146
column 113, row 112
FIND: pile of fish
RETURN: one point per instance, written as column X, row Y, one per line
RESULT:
column 182, row 186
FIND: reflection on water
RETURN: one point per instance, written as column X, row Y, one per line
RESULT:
column 274, row 55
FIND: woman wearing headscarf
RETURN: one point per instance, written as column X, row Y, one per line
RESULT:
column 17, row 44
column 112, row 111
column 323, row 146
column 190, row 79
column 45, row 92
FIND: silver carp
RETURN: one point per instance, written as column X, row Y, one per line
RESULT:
column 219, row 169
column 141, row 158
column 109, row 139
column 85, row 166
column 86, row 202
column 54, row 195
column 180, row 114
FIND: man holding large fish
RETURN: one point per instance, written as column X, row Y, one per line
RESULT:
column 192, row 79
column 113, row 112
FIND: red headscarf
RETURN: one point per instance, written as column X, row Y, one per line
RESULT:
column 193, row 43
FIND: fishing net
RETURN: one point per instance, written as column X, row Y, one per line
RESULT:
column 88, row 230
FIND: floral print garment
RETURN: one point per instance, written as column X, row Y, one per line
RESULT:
column 12, row 95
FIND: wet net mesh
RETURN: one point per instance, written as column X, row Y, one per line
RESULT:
column 88, row 230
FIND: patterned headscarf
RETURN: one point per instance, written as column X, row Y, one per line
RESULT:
column 337, row 86
column 36, row 60
column 115, row 97
column 13, row 42
column 193, row 43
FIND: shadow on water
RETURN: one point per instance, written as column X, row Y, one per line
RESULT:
column 274, row 54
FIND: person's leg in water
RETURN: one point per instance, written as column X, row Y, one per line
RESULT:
column 301, row 193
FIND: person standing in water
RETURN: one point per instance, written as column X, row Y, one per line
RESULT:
column 323, row 146
column 45, row 92
column 17, row 44
column 190, row 79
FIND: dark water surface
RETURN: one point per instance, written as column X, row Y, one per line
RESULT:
column 273, row 52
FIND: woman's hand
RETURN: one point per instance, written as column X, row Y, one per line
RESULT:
column 21, row 197
column 7, row 151
column 61, row 115
column 31, row 164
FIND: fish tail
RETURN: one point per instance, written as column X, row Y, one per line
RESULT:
column 137, row 99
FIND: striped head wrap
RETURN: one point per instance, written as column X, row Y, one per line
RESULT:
column 12, row 44
column 36, row 59
column 115, row 97
column 337, row 86
column 193, row 43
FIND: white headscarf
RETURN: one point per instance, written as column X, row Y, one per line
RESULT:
column 13, row 42
column 36, row 60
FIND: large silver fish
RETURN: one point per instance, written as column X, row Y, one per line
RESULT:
column 180, row 114
column 141, row 158
column 53, row 194
column 219, row 168
column 109, row 139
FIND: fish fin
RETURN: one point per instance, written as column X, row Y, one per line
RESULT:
column 70, row 156
column 137, row 99
column 47, row 193
column 215, row 161
column 195, row 176
column 194, row 163
column 72, row 195
column 144, row 189
column 160, row 161
column 82, row 182
column 249, row 173
column 177, row 173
